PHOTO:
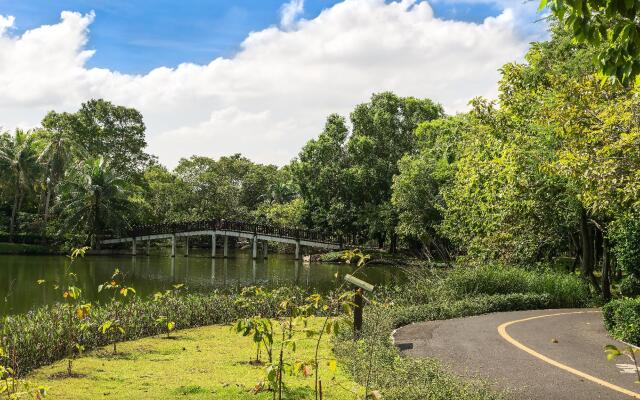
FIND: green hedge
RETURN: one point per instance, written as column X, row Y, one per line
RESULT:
column 622, row 319
column 470, row 306
column 37, row 337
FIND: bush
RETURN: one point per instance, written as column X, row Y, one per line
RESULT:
column 404, row 315
column 38, row 338
column 563, row 290
column 630, row 286
column 622, row 319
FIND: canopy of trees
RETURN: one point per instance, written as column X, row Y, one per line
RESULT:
column 549, row 171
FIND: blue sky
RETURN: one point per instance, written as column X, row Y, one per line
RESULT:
column 135, row 36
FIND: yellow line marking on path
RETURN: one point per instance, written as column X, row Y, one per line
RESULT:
column 502, row 330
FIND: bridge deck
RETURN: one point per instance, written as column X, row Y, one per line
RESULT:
column 238, row 229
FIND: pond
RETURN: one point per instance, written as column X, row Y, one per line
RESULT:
column 20, row 292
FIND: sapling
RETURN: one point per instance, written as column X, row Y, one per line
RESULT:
column 75, row 312
column 169, row 295
column 114, row 327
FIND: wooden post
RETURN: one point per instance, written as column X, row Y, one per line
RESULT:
column 265, row 249
column 225, row 251
column 357, row 314
column 297, row 256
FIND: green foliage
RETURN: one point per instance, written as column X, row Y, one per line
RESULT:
column 625, row 234
column 563, row 290
column 622, row 319
column 345, row 180
column 608, row 25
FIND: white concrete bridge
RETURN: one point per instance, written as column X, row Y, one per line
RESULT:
column 214, row 229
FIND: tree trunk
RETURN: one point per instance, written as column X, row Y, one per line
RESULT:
column 46, row 203
column 606, row 270
column 14, row 213
column 393, row 246
column 587, row 250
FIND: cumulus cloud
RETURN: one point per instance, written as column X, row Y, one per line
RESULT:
column 274, row 94
column 290, row 12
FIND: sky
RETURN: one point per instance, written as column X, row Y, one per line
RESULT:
column 256, row 77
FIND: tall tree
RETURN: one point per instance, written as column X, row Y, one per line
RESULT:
column 18, row 154
column 383, row 132
column 94, row 200
column 58, row 150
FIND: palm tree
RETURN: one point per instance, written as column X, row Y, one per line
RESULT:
column 94, row 199
column 59, row 148
column 18, row 154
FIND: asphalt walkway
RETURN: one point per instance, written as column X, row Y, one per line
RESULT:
column 532, row 355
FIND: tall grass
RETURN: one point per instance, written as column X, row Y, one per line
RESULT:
column 563, row 290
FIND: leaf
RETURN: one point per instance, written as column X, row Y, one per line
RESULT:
column 333, row 365
column 171, row 326
column 40, row 281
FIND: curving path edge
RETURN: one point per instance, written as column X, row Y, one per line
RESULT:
column 531, row 355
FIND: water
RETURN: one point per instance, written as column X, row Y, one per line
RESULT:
column 20, row 292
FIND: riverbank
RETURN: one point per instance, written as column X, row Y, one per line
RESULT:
column 24, row 249
column 201, row 363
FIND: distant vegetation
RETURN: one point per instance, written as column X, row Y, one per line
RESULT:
column 549, row 171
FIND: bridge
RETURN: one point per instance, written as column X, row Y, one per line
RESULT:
column 222, row 228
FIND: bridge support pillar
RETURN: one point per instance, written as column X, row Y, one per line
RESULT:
column 173, row 245
column 133, row 247
column 225, row 251
column 265, row 249
column 148, row 246
column 254, row 247
column 186, row 252
column 297, row 256
column 213, row 246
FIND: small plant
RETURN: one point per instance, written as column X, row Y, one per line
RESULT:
column 114, row 328
column 169, row 296
column 613, row 352
column 75, row 311
column 12, row 387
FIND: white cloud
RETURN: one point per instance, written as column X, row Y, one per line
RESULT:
column 6, row 23
column 274, row 94
column 290, row 12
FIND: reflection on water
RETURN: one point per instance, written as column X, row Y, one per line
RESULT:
column 20, row 292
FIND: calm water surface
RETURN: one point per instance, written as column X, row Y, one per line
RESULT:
column 20, row 292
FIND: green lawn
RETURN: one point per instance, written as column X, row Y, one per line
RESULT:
column 201, row 363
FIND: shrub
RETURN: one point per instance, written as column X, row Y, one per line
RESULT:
column 37, row 337
column 622, row 319
column 630, row 286
column 564, row 290
column 403, row 315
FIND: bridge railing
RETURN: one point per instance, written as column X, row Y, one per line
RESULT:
column 238, row 226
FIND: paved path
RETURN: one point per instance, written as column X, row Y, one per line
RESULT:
column 532, row 355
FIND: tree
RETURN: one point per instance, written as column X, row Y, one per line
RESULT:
column 383, row 132
column 417, row 189
column 320, row 171
column 58, row 151
column 114, row 132
column 609, row 25
column 18, row 155
column 95, row 200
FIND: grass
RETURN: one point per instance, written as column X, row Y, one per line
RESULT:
column 21, row 248
column 200, row 363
